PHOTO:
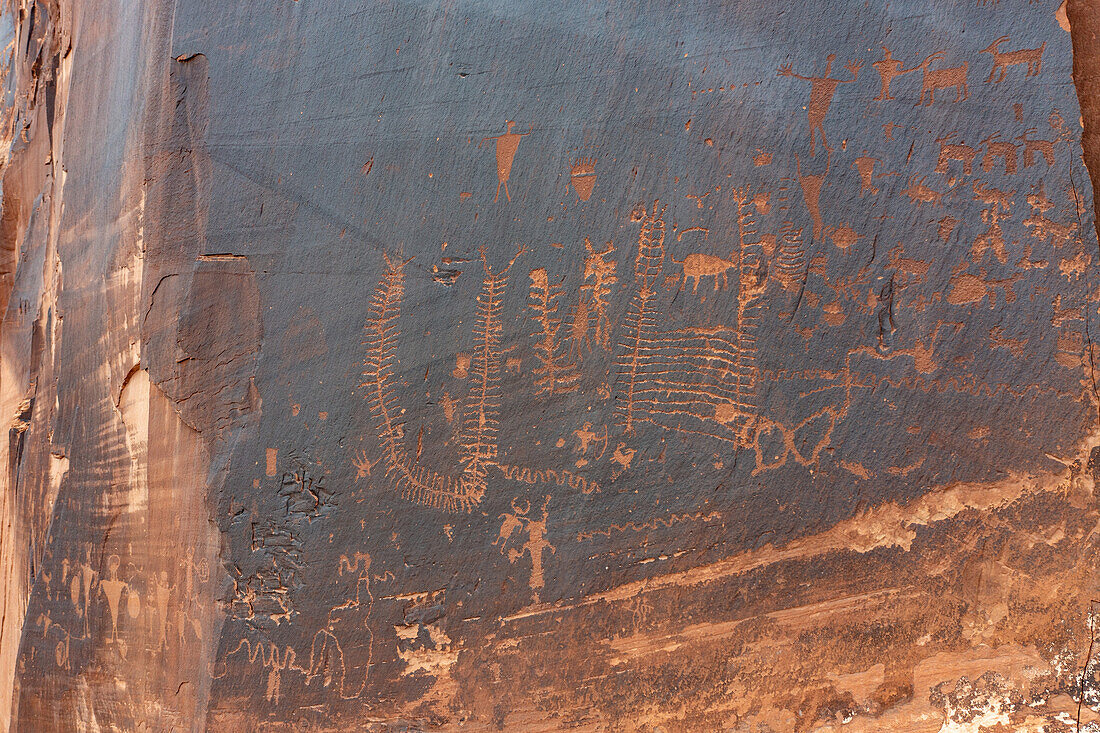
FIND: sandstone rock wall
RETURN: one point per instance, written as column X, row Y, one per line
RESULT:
column 596, row 367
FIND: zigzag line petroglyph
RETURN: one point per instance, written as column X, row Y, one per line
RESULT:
column 665, row 522
column 560, row 477
column 963, row 385
column 326, row 656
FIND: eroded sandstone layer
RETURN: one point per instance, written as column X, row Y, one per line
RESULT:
column 578, row 366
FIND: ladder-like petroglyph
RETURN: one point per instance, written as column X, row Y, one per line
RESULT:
column 639, row 328
column 699, row 380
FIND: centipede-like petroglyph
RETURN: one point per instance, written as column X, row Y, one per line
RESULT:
column 481, row 422
column 555, row 374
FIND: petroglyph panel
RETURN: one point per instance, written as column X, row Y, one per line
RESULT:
column 754, row 392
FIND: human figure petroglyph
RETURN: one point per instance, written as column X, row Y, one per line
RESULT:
column 161, row 593
column 462, row 366
column 822, row 90
column 889, row 68
column 1002, row 60
column 363, row 464
column 341, row 653
column 80, row 589
column 199, row 572
column 112, row 588
column 507, row 145
column 591, row 314
column 993, row 239
column 586, row 438
column 516, row 524
column 511, row 522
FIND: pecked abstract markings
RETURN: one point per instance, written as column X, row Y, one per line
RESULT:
column 764, row 399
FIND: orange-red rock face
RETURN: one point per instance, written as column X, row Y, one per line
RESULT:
column 637, row 367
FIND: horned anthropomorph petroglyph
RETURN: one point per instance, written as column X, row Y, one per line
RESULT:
column 591, row 321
